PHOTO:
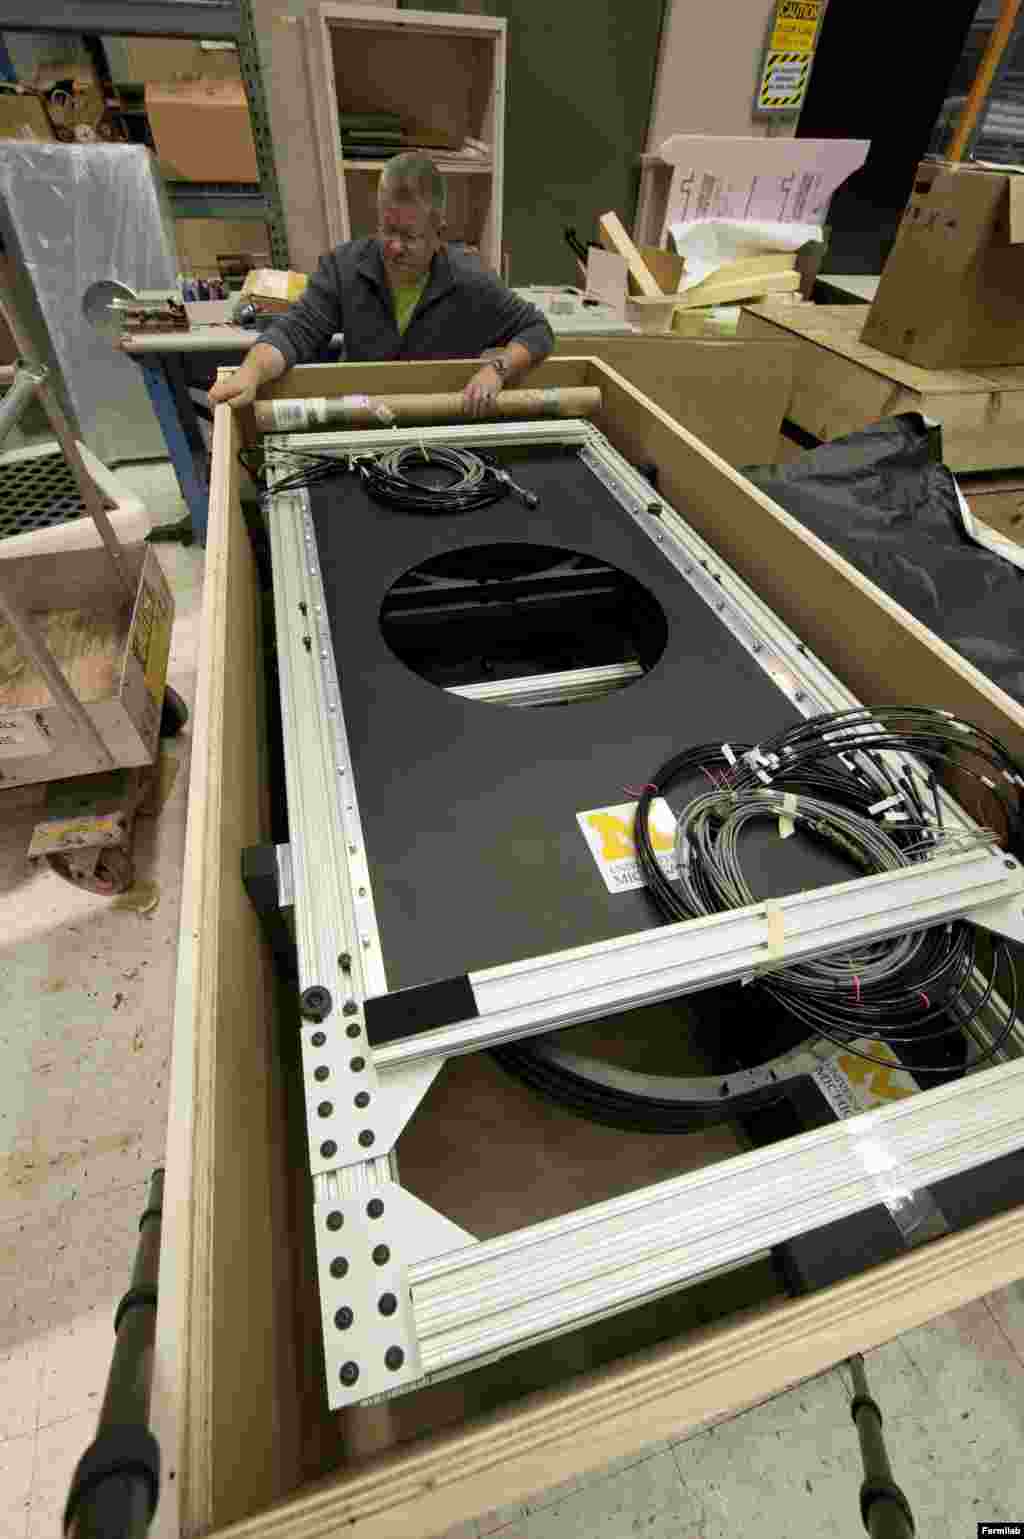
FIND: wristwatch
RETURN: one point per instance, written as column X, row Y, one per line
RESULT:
column 501, row 364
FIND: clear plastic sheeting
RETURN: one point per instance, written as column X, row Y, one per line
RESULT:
column 880, row 499
column 72, row 214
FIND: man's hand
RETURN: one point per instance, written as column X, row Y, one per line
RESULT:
column 481, row 392
column 238, row 389
column 263, row 363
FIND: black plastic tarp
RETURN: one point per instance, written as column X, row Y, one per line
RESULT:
column 879, row 498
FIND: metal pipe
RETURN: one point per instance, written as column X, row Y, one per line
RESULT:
column 26, row 384
column 883, row 1506
column 974, row 107
column 114, row 1491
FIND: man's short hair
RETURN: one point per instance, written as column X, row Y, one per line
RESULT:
column 413, row 178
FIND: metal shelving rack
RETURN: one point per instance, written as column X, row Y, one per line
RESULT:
column 225, row 20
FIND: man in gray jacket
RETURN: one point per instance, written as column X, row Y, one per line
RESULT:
column 400, row 295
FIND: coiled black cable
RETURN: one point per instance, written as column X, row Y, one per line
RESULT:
column 889, row 990
column 478, row 482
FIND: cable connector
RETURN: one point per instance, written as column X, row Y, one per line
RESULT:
column 530, row 498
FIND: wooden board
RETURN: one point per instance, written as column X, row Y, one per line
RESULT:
column 615, row 238
column 732, row 395
column 840, row 385
column 998, row 501
column 230, row 1230
column 223, row 1198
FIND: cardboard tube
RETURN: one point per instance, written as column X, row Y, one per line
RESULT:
column 291, row 416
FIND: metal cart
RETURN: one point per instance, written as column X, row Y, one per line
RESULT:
column 99, row 619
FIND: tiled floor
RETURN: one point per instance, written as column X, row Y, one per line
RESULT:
column 951, row 1393
column 86, row 995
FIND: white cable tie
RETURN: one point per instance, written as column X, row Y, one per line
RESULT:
column 883, row 806
column 762, row 776
column 751, row 757
column 896, row 817
column 986, row 782
column 787, row 826
column 729, row 755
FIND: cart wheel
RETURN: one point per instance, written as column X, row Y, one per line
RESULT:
column 114, row 873
column 174, row 714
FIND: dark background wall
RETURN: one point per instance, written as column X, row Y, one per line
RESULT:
column 579, row 89
column 880, row 73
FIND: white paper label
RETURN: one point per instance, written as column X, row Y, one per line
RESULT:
column 21, row 737
column 289, row 414
column 851, row 1084
column 609, row 835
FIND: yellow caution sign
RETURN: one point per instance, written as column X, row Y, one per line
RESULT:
column 787, row 64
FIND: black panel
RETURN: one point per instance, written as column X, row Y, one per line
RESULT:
column 469, row 809
column 393, row 1016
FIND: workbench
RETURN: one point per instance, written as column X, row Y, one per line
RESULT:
column 173, row 364
column 840, row 385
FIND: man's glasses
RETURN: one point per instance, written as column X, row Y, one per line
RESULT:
column 398, row 238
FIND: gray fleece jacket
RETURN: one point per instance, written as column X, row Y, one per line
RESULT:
column 462, row 311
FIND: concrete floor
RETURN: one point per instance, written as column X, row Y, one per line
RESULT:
column 86, row 1002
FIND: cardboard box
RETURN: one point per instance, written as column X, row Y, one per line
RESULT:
column 23, row 117
column 274, row 290
column 201, row 131
column 952, row 292
column 141, row 59
column 202, row 242
column 115, row 659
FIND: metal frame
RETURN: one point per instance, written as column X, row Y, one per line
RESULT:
column 457, row 1303
column 220, row 20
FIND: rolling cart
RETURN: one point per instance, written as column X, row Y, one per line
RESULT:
column 84, row 644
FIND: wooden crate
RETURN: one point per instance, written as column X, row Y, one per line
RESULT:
column 731, row 395
column 114, row 656
column 840, row 386
column 238, row 1400
column 445, row 75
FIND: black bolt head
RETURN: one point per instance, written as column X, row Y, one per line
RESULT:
column 315, row 1003
column 335, row 1220
column 374, row 1208
column 366, row 1138
column 363, row 1099
column 345, row 962
column 381, row 1255
column 323, row 1072
column 394, row 1357
column 339, row 1267
column 357, row 1065
column 343, row 1318
column 350, row 1007
column 352, row 1031
column 349, row 1373
column 388, row 1304
column 328, row 1149
column 318, row 1038
column 324, row 1109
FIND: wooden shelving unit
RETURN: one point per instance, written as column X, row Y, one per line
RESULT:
column 444, row 74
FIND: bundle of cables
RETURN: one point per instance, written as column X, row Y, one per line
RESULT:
column 478, row 482
column 864, row 783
